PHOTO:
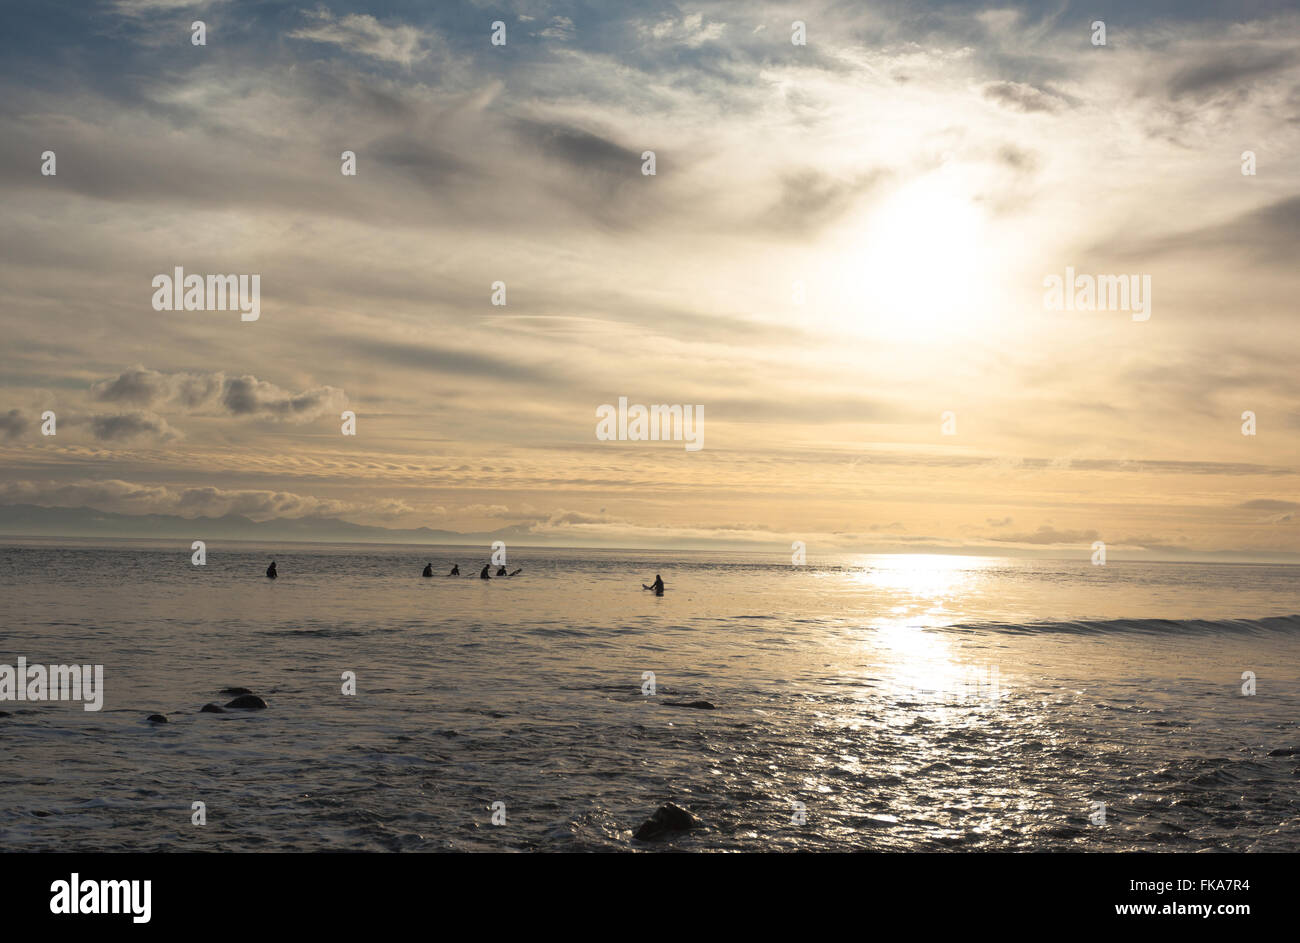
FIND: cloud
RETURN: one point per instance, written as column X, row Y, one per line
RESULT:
column 12, row 424
column 132, row 425
column 690, row 30
column 432, row 357
column 524, row 165
column 1218, row 69
column 215, row 502
column 363, row 34
column 139, row 8
column 249, row 396
column 116, row 495
column 1049, row 535
column 1022, row 97
column 195, row 392
column 810, row 199
column 1266, row 233
column 140, row 386
column 560, row 27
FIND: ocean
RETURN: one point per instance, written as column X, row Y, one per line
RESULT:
column 859, row 703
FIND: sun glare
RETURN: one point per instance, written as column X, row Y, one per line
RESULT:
column 913, row 266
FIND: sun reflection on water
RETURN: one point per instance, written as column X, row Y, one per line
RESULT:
column 924, row 591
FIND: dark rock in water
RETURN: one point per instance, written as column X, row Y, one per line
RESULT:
column 667, row 818
column 1282, row 751
column 157, row 718
column 5, row 714
column 234, row 691
column 211, row 709
column 40, row 813
column 248, row 702
column 698, row 705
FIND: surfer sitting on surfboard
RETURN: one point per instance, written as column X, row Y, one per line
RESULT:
column 428, row 569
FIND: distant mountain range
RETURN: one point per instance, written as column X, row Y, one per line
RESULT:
column 30, row 520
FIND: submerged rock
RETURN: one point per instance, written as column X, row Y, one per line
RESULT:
column 1283, row 751
column 157, row 718
column 667, row 818
column 698, row 705
column 212, row 709
column 234, row 691
column 248, row 702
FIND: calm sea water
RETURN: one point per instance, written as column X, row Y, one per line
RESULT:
column 888, row 703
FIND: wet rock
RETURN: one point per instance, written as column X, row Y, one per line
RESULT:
column 1283, row 751
column 157, row 718
column 248, row 702
column 212, row 709
column 234, row 691
column 698, row 705
column 5, row 714
column 667, row 818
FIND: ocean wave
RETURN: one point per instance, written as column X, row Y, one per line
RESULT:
column 1266, row 626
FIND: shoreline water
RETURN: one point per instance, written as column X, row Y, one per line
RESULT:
column 887, row 707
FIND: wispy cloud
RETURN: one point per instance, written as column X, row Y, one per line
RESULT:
column 363, row 34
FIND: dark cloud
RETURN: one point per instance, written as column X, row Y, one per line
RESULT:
column 1267, row 234
column 598, row 177
column 1017, row 159
column 12, row 424
column 239, row 396
column 585, row 151
column 1268, row 504
column 810, row 199
column 419, row 160
column 1227, row 70
column 1022, row 97
column 131, row 425
column 140, row 386
column 447, row 360
column 249, row 396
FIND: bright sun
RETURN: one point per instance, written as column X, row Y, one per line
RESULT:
column 914, row 266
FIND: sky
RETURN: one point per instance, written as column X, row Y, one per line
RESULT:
column 841, row 257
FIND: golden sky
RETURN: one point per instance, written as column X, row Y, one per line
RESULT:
column 842, row 242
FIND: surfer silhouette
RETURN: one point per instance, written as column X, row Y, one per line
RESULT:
column 455, row 570
column 657, row 585
column 428, row 569
column 270, row 571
